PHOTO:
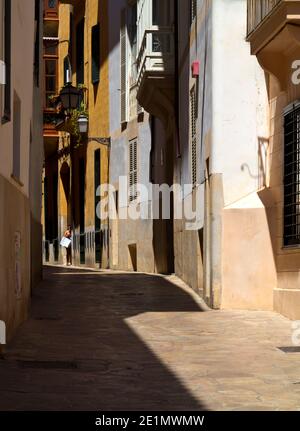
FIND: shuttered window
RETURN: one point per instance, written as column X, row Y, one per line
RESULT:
column 123, row 45
column 193, row 9
column 71, row 29
column 292, row 177
column 193, row 134
column 7, row 61
column 133, row 170
column 17, row 138
column 37, row 43
column 80, row 52
column 96, row 53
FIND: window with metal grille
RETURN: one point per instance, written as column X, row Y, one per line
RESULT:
column 123, row 47
column 193, row 133
column 96, row 53
column 133, row 170
column 193, row 9
column 292, row 176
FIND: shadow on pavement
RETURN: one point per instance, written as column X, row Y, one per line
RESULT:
column 81, row 348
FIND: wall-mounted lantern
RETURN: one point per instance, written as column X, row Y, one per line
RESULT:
column 70, row 97
column 83, row 123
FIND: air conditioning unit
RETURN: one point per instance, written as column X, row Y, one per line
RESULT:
column 2, row 72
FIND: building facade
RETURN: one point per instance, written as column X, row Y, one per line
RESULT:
column 76, row 163
column 273, row 33
column 211, row 102
column 21, row 157
column 202, row 95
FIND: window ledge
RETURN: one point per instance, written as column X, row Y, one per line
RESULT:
column 17, row 180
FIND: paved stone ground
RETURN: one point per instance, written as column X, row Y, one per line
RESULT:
column 119, row 341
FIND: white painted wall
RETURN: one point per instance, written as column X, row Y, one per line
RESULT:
column 240, row 102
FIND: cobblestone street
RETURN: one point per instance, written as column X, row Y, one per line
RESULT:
column 125, row 341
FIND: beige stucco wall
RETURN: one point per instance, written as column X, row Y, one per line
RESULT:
column 20, row 200
column 248, row 262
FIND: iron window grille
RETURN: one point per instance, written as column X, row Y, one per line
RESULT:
column 193, row 10
column 292, row 176
column 193, row 132
column 133, row 170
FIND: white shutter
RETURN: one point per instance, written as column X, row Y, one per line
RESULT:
column 123, row 47
column 193, row 132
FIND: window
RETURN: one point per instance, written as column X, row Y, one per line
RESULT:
column 17, row 138
column 96, row 53
column 7, row 60
column 82, row 171
column 80, row 52
column 52, row 4
column 67, row 70
column 37, row 43
column 97, row 181
column 161, row 13
column 133, row 170
column 71, row 37
column 292, row 176
column 193, row 6
column 50, row 67
column 193, row 134
column 123, row 47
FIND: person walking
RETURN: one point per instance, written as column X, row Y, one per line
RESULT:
column 68, row 235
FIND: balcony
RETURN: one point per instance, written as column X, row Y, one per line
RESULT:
column 155, row 58
column 258, row 11
column 274, row 35
column 266, row 19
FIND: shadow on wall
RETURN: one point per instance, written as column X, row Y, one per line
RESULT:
column 84, row 316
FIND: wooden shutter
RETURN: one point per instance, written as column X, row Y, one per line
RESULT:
column 7, row 60
column 80, row 52
column 96, row 53
column 17, row 137
column 133, row 169
column 193, row 132
column 37, row 43
column 123, row 47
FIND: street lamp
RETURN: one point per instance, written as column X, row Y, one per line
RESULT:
column 83, row 123
column 70, row 97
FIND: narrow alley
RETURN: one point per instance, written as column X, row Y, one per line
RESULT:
column 130, row 341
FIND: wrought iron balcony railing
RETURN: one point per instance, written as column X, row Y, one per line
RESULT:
column 258, row 11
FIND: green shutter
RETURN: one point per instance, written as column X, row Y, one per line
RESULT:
column 96, row 53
